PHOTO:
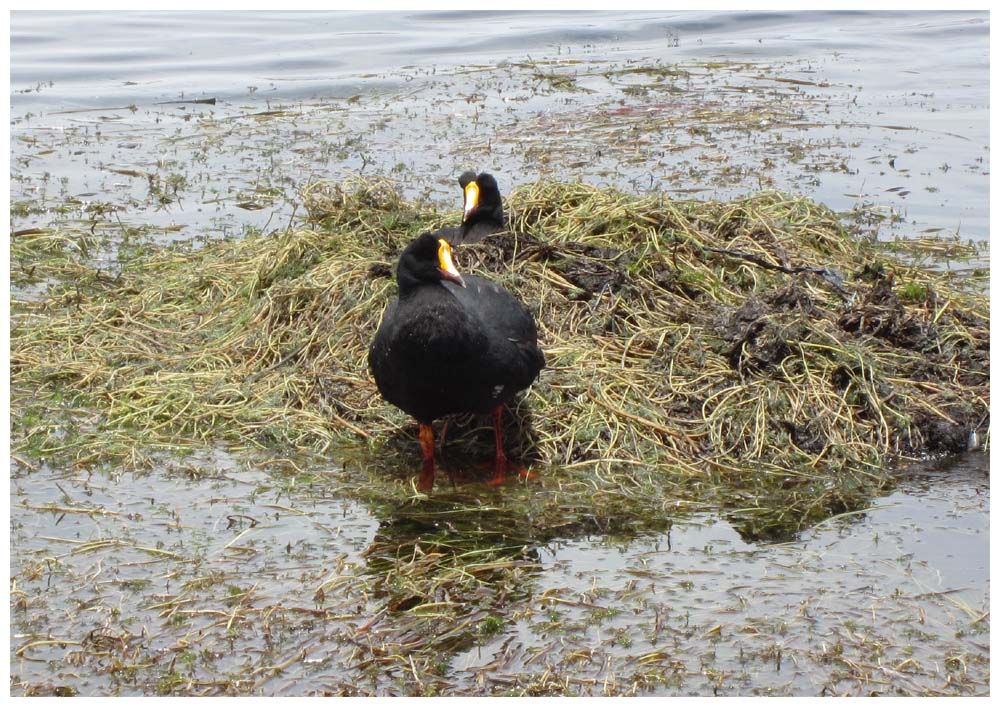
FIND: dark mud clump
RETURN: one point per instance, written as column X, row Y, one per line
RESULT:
column 882, row 314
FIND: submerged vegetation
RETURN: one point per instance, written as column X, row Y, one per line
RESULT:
column 752, row 341
column 209, row 496
column 750, row 356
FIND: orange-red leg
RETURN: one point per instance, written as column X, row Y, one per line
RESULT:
column 426, row 481
column 501, row 468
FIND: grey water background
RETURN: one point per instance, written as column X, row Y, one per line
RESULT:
column 924, row 76
column 921, row 77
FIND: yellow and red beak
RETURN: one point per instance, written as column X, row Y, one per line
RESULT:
column 447, row 265
column 471, row 199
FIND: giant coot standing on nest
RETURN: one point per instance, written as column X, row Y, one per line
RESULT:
column 451, row 344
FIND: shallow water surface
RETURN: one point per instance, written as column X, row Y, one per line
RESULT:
column 902, row 580
column 882, row 110
column 222, row 575
column 214, row 568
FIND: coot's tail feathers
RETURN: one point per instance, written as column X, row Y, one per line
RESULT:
column 470, row 232
column 477, row 232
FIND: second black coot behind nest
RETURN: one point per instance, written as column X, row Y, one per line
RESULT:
column 452, row 344
column 482, row 213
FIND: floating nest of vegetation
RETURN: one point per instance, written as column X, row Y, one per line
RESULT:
column 752, row 342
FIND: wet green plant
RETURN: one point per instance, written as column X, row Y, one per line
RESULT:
column 751, row 341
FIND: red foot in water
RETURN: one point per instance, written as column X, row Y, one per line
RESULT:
column 522, row 473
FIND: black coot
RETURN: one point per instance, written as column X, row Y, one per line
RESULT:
column 450, row 344
column 482, row 213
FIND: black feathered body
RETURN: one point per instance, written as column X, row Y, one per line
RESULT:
column 443, row 349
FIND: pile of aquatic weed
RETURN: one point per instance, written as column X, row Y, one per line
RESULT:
column 752, row 346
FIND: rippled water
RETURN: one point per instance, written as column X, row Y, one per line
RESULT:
column 97, row 58
column 891, row 110
column 903, row 583
column 905, row 93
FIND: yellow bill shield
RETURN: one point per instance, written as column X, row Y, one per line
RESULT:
column 447, row 265
column 471, row 198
